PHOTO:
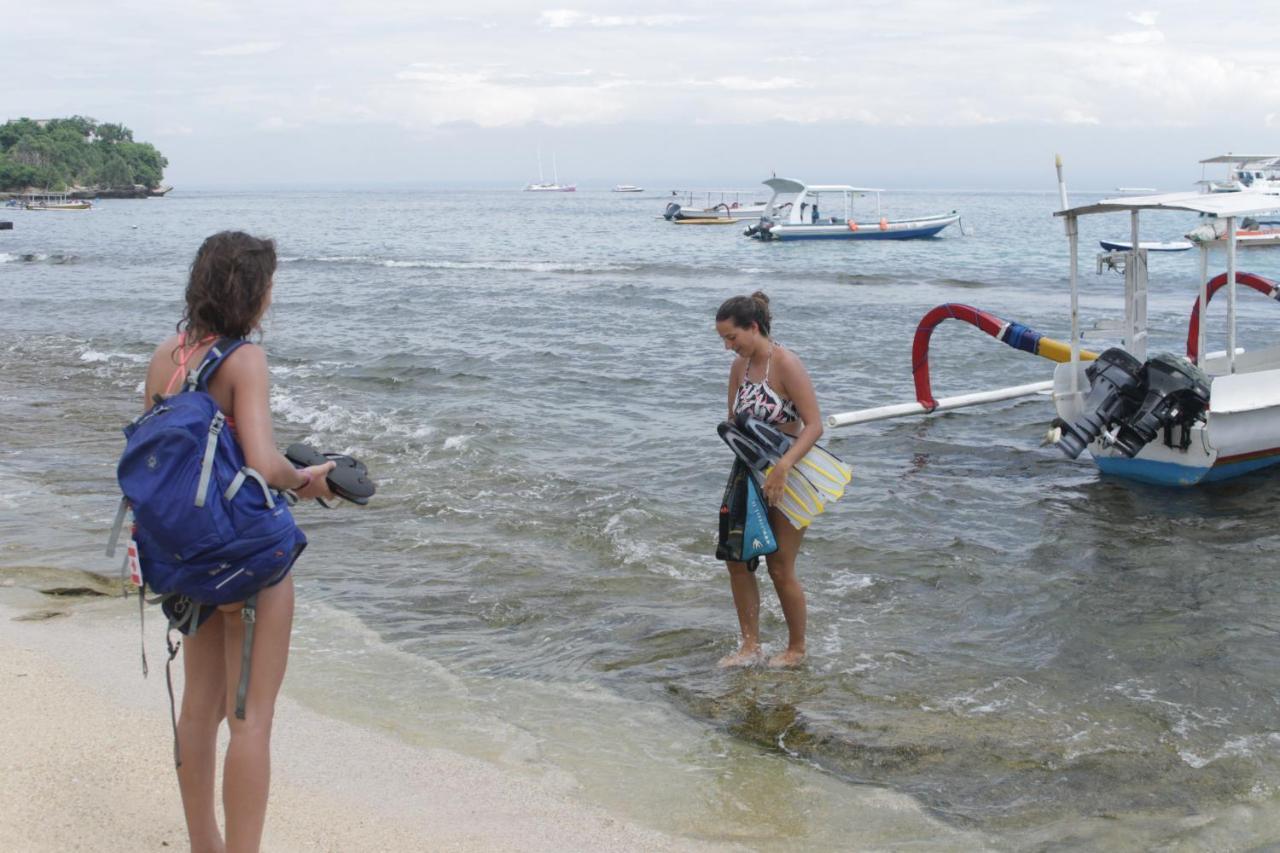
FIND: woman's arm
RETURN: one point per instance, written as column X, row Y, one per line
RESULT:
column 245, row 374
column 735, row 380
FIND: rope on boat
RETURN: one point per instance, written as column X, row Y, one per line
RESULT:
column 1015, row 335
column 1264, row 286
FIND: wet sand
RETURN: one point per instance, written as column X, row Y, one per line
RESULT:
column 87, row 760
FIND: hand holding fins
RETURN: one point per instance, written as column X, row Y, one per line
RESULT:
column 349, row 478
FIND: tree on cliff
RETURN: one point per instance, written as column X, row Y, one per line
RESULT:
column 62, row 152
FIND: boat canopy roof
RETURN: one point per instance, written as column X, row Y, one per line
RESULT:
column 787, row 185
column 1243, row 203
column 1242, row 158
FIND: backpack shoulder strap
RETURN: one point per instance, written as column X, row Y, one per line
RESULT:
column 198, row 379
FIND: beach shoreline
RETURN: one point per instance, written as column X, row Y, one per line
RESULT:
column 88, row 760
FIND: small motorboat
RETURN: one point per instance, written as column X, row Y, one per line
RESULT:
column 1149, row 245
column 627, row 188
column 792, row 213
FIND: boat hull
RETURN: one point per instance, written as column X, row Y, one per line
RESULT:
column 901, row 229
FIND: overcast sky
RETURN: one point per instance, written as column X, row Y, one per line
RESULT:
column 901, row 93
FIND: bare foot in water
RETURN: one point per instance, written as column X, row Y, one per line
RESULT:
column 788, row 659
column 745, row 656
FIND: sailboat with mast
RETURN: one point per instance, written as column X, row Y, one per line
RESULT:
column 555, row 186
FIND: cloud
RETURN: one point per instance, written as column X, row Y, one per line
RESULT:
column 557, row 19
column 1078, row 117
column 250, row 48
column 749, row 84
column 276, row 123
column 1143, row 19
column 1137, row 37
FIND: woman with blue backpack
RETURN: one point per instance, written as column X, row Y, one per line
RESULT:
column 208, row 373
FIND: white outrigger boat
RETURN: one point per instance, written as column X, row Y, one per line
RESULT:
column 712, row 207
column 793, row 213
column 1167, row 419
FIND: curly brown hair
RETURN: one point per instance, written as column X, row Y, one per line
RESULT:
column 230, row 280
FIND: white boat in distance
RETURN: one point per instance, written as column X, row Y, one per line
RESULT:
column 1256, row 172
column 793, row 213
column 555, row 186
column 627, row 188
column 690, row 207
column 1166, row 419
column 53, row 201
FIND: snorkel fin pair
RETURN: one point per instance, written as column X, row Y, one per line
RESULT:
column 349, row 478
column 817, row 479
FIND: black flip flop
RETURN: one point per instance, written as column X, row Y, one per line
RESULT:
column 349, row 478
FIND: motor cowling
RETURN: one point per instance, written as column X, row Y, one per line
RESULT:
column 1115, row 392
column 672, row 210
column 1177, row 394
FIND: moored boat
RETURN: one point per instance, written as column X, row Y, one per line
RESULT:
column 553, row 186
column 1256, row 172
column 53, row 201
column 627, row 188
column 1149, row 245
column 1169, row 419
column 796, row 211
column 706, row 205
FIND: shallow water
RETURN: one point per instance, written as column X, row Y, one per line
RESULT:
column 1006, row 649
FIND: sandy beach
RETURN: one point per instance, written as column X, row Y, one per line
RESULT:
column 87, row 760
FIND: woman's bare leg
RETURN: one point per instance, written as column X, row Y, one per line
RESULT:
column 203, row 704
column 246, row 776
column 746, row 599
column 782, row 569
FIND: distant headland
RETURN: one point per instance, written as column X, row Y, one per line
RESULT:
column 78, row 156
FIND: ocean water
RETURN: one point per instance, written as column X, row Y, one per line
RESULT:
column 1006, row 649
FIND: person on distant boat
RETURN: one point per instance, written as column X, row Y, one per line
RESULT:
column 770, row 383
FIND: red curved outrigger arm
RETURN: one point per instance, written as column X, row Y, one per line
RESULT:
column 1257, row 282
column 988, row 323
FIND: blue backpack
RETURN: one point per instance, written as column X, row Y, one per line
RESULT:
column 209, row 530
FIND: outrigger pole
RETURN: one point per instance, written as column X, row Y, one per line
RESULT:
column 1014, row 334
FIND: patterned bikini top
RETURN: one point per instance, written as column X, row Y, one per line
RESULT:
column 762, row 402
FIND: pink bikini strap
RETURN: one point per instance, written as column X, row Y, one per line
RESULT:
column 184, row 357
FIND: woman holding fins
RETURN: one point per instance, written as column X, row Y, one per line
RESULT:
column 770, row 392
column 228, row 294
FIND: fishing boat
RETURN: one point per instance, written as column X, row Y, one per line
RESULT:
column 1169, row 419
column 53, row 201
column 712, row 207
column 627, row 188
column 1256, row 172
column 796, row 211
column 554, row 186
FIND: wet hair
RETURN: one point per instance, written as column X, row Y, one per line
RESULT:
column 745, row 310
column 230, row 278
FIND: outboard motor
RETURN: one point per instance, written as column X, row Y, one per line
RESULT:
column 761, row 229
column 1177, row 395
column 673, row 208
column 1115, row 391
